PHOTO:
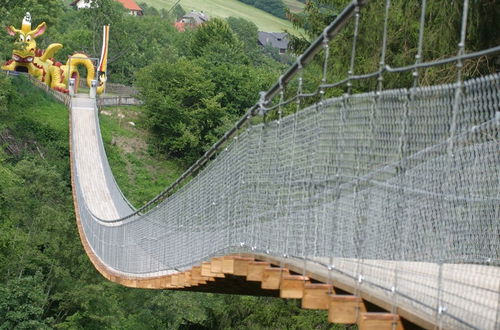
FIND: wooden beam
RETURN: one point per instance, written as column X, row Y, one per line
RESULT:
column 187, row 279
column 292, row 286
column 380, row 321
column 241, row 266
column 255, row 270
column 228, row 265
column 316, row 296
column 175, row 281
column 271, row 278
column 345, row 309
column 216, row 265
column 206, row 270
column 196, row 273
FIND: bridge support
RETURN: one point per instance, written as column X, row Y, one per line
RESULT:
column 271, row 279
column 345, row 309
column 316, row 296
column 379, row 321
column 292, row 286
column 246, row 275
column 255, row 270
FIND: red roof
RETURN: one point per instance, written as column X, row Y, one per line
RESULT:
column 130, row 5
column 180, row 26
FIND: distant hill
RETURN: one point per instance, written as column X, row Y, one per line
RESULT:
column 226, row 8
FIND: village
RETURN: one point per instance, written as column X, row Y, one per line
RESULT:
column 194, row 19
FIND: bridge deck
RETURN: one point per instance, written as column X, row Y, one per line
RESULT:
column 89, row 160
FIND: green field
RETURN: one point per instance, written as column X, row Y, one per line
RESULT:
column 294, row 5
column 226, row 8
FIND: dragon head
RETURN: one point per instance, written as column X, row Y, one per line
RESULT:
column 26, row 37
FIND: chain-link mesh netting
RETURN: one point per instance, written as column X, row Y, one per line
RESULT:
column 330, row 181
column 395, row 191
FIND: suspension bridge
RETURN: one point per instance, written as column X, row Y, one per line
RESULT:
column 381, row 207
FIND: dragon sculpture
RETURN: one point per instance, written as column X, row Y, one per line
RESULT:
column 41, row 64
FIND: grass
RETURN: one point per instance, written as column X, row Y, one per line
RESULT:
column 36, row 125
column 226, row 8
column 294, row 5
column 140, row 176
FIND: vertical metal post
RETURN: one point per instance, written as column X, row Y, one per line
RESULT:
column 71, row 86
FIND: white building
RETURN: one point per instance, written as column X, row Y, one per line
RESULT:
column 130, row 5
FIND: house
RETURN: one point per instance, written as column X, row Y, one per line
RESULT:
column 192, row 20
column 81, row 4
column 130, row 5
column 274, row 39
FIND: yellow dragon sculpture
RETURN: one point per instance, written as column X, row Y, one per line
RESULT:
column 41, row 64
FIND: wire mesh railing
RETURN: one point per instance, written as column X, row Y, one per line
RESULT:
column 396, row 189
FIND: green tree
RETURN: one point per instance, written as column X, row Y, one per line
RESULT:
column 22, row 302
column 177, row 97
column 216, row 32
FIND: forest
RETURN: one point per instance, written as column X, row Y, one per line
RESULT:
column 194, row 85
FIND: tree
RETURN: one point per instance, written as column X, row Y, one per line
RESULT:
column 215, row 32
column 22, row 302
column 181, row 106
column 246, row 31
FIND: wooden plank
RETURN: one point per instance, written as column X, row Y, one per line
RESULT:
column 187, row 278
column 216, row 265
column 206, row 270
column 196, row 273
column 380, row 321
column 255, row 270
column 292, row 286
column 271, row 278
column 241, row 266
column 316, row 296
column 345, row 309
column 228, row 265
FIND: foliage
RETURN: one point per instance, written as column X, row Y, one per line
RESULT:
column 22, row 303
column 192, row 100
column 214, row 33
column 178, row 11
column 177, row 105
column 6, row 92
column 441, row 37
column 274, row 7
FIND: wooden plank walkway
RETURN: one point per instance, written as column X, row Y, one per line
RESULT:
column 89, row 161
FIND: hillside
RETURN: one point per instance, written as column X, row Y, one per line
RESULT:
column 227, row 8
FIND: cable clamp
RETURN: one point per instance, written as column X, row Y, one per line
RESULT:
column 280, row 82
column 325, row 37
column 262, row 102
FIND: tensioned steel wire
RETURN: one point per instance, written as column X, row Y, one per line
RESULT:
column 395, row 190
